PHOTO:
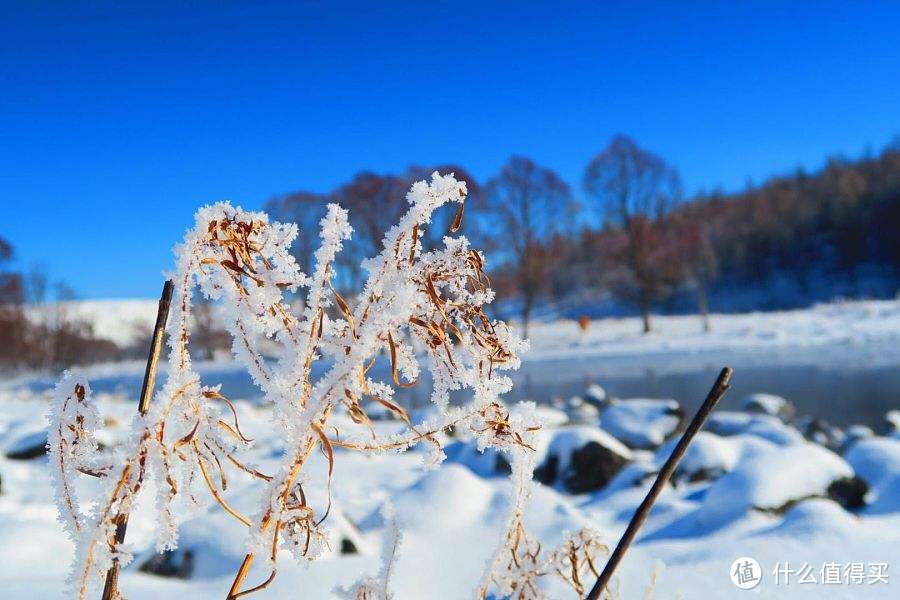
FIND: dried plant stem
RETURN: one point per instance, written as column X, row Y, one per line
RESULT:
column 715, row 394
column 412, row 298
column 235, row 591
column 110, row 588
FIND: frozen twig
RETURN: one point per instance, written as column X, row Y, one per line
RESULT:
column 110, row 588
column 416, row 301
column 665, row 473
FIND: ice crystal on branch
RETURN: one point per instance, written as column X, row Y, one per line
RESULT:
column 419, row 307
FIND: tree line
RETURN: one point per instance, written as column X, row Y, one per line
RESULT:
column 628, row 234
column 37, row 328
column 624, row 239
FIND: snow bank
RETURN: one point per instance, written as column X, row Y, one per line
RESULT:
column 766, row 478
column 641, row 422
column 708, row 457
column 768, row 404
column 877, row 461
column 766, row 427
column 771, row 478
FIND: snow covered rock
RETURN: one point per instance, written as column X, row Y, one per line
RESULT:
column 775, row 478
column 631, row 475
column 596, row 395
column 488, row 463
column 877, row 461
column 550, row 416
column 814, row 516
column 725, row 423
column 765, row 427
column 451, row 522
column 209, row 546
column 708, row 457
column 581, row 412
column 582, row 459
column 642, row 423
column 768, row 404
column 172, row 563
column 890, row 423
column 28, row 446
column 821, row 432
column 767, row 478
column 855, row 434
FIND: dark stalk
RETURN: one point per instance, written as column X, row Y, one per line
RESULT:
column 715, row 394
column 110, row 588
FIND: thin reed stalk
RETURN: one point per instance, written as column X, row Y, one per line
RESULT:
column 723, row 382
column 110, row 588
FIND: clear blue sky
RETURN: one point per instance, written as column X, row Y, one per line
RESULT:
column 117, row 119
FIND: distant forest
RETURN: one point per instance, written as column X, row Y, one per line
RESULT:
column 627, row 241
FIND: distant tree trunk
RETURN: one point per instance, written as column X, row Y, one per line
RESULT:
column 703, row 306
column 527, row 304
column 645, row 304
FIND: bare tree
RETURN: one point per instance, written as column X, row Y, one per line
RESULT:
column 634, row 190
column 12, row 315
column 55, row 334
column 530, row 203
column 305, row 209
column 697, row 255
column 375, row 202
column 209, row 334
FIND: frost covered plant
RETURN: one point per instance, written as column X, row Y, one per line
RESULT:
column 519, row 567
column 378, row 588
column 415, row 302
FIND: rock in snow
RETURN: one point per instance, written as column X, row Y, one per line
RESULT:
column 31, row 445
column 596, row 395
column 821, row 432
column 849, row 492
column 765, row 427
column 767, row 478
column 642, row 423
column 172, row 563
column 488, row 463
column 890, row 425
column 815, row 514
column 582, row 459
column 708, row 457
column 774, row 478
column 877, row 462
column 581, row 412
column 768, row 404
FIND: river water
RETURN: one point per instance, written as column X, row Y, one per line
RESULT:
column 843, row 384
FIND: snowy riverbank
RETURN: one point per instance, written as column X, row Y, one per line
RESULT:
column 750, row 486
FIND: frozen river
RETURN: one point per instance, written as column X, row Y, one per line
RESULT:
column 844, row 384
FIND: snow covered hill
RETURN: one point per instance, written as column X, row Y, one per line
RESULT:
column 844, row 323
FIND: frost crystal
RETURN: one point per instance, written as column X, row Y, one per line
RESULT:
column 419, row 307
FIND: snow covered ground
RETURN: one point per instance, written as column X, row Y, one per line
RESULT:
column 752, row 485
column 837, row 361
column 853, row 323
column 755, row 488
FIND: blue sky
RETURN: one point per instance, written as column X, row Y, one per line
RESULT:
column 118, row 119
